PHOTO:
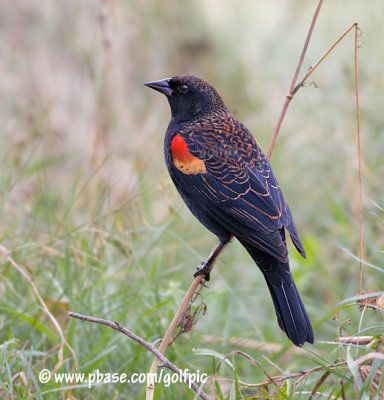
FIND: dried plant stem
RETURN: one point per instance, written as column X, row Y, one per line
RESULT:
column 300, row 84
column 294, row 80
column 169, row 333
column 293, row 90
column 295, row 87
column 359, row 157
column 177, row 318
column 150, row 346
column 303, row 374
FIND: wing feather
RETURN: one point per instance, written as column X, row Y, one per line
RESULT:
column 238, row 188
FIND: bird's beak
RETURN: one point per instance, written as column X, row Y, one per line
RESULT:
column 161, row 86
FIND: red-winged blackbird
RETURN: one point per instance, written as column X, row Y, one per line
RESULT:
column 224, row 178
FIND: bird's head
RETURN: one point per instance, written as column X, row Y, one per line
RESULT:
column 189, row 97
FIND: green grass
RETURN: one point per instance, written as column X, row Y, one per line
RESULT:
column 92, row 222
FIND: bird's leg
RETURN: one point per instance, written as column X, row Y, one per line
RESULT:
column 206, row 266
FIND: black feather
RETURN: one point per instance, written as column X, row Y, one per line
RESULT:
column 291, row 314
column 234, row 191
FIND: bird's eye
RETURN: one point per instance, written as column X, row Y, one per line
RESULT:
column 183, row 89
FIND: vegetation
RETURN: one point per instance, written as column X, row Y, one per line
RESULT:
column 91, row 223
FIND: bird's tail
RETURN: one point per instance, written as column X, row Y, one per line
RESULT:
column 290, row 311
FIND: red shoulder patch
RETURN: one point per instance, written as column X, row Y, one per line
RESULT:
column 179, row 149
column 183, row 160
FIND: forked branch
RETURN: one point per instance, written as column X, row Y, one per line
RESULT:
column 150, row 346
column 292, row 90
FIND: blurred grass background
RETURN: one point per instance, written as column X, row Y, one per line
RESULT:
column 89, row 212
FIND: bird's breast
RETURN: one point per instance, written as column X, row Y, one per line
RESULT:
column 183, row 160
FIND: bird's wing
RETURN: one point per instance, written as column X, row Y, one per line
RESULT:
column 238, row 187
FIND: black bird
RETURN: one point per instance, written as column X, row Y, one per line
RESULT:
column 226, row 181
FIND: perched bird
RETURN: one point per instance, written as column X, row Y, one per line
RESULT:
column 226, row 181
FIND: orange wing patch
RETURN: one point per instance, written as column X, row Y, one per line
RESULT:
column 183, row 160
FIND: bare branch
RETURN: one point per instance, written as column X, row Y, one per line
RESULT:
column 300, row 374
column 150, row 346
column 321, row 59
column 216, row 251
column 294, row 80
column 294, row 89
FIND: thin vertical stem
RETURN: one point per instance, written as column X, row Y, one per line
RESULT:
column 359, row 158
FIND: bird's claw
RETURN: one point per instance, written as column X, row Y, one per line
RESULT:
column 203, row 269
